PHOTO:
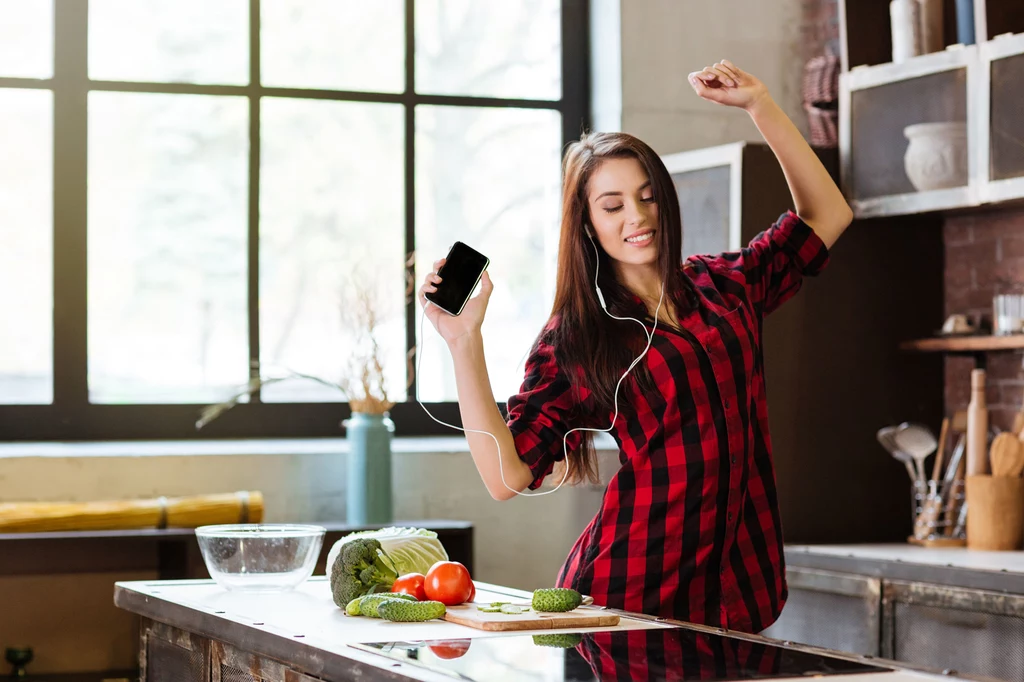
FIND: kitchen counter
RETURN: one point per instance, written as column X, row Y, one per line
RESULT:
column 952, row 566
column 953, row 608
column 193, row 631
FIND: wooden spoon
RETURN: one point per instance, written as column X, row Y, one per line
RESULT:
column 1007, row 455
column 940, row 452
column 959, row 424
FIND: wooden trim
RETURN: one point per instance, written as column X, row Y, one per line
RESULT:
column 864, row 77
column 1003, row 191
column 966, row 344
column 701, row 159
column 1002, row 47
column 915, row 202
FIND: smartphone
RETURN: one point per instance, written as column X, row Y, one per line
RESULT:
column 463, row 267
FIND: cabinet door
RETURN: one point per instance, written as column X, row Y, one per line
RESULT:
column 1003, row 155
column 704, row 203
column 975, row 632
column 171, row 655
column 1007, row 102
column 232, row 665
column 910, row 135
column 837, row 611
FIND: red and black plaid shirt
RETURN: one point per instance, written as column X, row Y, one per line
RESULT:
column 689, row 526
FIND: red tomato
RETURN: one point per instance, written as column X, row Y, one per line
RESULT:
column 472, row 595
column 451, row 648
column 412, row 585
column 449, row 583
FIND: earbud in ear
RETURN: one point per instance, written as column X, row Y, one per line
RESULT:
column 590, row 233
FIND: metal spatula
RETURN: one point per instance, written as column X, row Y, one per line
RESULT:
column 885, row 437
column 917, row 441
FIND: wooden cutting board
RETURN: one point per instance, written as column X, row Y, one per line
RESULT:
column 582, row 617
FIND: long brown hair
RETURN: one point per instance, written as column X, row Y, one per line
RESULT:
column 591, row 347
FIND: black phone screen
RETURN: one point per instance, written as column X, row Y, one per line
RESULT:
column 460, row 274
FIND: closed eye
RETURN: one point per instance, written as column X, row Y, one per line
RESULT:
column 613, row 209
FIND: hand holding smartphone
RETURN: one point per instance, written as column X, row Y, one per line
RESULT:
column 461, row 272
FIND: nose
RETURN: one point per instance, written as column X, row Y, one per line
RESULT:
column 634, row 216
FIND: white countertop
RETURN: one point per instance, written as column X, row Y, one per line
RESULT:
column 954, row 557
column 893, row 676
column 308, row 613
column 308, row 616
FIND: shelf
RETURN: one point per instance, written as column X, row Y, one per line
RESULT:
column 976, row 87
column 915, row 203
column 953, row 57
column 880, row 104
column 966, row 344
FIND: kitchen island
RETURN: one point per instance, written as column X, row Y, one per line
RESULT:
column 194, row 631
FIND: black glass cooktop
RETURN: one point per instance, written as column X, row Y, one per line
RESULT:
column 621, row 655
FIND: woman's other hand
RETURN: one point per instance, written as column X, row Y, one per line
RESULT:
column 452, row 328
column 725, row 83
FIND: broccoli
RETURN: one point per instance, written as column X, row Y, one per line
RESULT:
column 360, row 569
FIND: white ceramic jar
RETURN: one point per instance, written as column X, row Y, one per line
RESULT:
column 936, row 157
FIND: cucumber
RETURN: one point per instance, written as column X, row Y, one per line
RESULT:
column 410, row 612
column 368, row 605
column 556, row 599
column 512, row 609
column 559, row 640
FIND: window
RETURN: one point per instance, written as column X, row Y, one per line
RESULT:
column 191, row 194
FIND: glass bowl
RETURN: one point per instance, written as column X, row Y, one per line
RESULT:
column 260, row 557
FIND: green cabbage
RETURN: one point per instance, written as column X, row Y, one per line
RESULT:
column 411, row 550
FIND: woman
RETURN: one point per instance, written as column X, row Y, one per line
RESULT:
column 689, row 525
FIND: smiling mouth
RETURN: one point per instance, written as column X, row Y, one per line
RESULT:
column 644, row 238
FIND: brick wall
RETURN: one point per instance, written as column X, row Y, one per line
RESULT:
column 985, row 257
column 819, row 31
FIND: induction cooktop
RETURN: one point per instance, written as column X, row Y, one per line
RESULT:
column 652, row 654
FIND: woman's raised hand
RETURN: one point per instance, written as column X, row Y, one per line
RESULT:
column 452, row 327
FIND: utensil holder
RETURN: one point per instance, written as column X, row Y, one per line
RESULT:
column 936, row 508
column 995, row 519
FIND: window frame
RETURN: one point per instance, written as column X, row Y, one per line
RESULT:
column 71, row 416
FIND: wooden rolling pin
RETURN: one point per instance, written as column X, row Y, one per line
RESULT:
column 977, row 426
column 162, row 512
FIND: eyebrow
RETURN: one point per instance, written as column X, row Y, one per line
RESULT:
column 619, row 194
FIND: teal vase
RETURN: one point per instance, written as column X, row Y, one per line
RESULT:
column 369, row 468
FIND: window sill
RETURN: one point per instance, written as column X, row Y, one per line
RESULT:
column 248, row 446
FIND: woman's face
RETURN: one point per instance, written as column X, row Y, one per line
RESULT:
column 623, row 211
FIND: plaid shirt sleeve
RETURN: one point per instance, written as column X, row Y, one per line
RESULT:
column 775, row 262
column 540, row 414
